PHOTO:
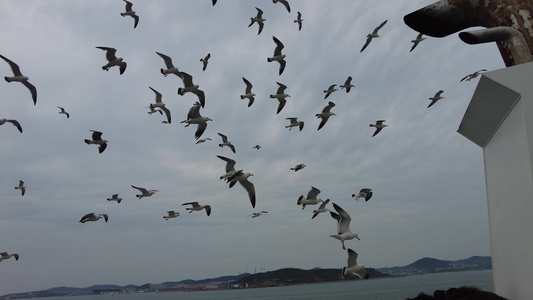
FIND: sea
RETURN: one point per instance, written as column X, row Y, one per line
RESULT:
column 371, row 289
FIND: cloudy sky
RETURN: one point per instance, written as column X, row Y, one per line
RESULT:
column 428, row 180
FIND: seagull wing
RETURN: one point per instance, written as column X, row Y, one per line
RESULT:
column 187, row 79
column 167, row 113
column 158, row 95
column 110, row 53
column 379, row 27
column 142, row 190
column 14, row 67
column 194, row 112
column 128, row 5
column 279, row 46
column 345, row 219
column 313, row 193
column 194, row 204
column 97, row 135
column 248, row 85
column 201, row 96
column 200, row 130
column 168, row 60
column 224, row 137
column 281, row 104
column 368, row 40
column 250, row 189
column 16, row 124
column 286, row 3
column 230, row 163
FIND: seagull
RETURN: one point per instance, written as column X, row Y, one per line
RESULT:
column 363, row 193
column 347, row 84
column 191, row 87
column 144, row 192
column 114, row 198
column 379, row 126
column 298, row 167
column 170, row 67
column 473, row 75
column 321, row 209
column 159, row 104
column 203, row 140
column 230, row 168
column 257, row 214
column 325, row 114
column 436, row 98
column 194, row 117
column 284, row 2
column 416, row 41
column 353, row 267
column 242, row 178
column 92, row 217
column 259, row 20
column 97, row 140
column 64, row 112
column 372, row 35
column 280, row 95
column 14, row 122
column 171, row 214
column 4, row 256
column 131, row 13
column 330, row 90
column 20, row 78
column 205, row 60
column 295, row 123
column 311, row 198
column 343, row 225
column 113, row 60
column 153, row 110
column 198, row 207
column 278, row 56
column 299, row 20
column 257, row 147
column 248, row 92
column 225, row 142
column 21, row 187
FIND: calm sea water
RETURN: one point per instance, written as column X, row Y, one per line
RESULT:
column 376, row 289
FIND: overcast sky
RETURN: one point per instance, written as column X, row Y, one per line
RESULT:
column 428, row 180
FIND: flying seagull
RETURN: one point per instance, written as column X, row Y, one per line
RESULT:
column 436, row 98
column 259, row 20
column 353, row 267
column 197, row 207
column 93, row 217
column 363, row 193
column 191, row 87
column 97, row 140
column 114, row 197
column 205, row 61
column 230, row 168
column 159, row 104
column 416, row 41
column 64, row 112
column 285, row 3
column 280, row 95
column 343, row 225
column 321, row 209
column 14, row 122
column 347, row 84
column 372, row 35
column 171, row 214
column 311, row 198
column 257, row 214
column 21, row 187
column 257, row 147
column 170, row 67
column 298, row 167
column 330, row 90
column 113, row 60
column 203, row 140
column 153, row 110
column 20, row 78
column 194, row 117
column 248, row 92
column 131, row 13
column 144, row 192
column 226, row 142
column 278, row 56
column 299, row 20
column 295, row 123
column 5, row 255
column 473, row 75
column 242, row 178
column 325, row 114
column 379, row 126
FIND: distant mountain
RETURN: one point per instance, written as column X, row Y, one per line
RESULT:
column 208, row 280
column 432, row 265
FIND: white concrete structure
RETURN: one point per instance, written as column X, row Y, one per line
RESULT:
column 499, row 119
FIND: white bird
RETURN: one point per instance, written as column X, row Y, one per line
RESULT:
column 299, row 20
column 194, row 117
column 14, row 122
column 159, row 104
column 473, row 75
column 5, row 255
column 321, row 209
column 353, row 267
column 419, row 38
column 21, row 187
column 131, row 13
column 18, row 77
column 114, row 197
column 144, row 192
column 257, row 214
column 259, row 20
column 203, row 140
column 311, row 198
column 343, row 225
column 93, row 217
column 330, row 90
column 242, row 178
column 298, row 167
column 248, row 92
column 171, row 214
column 170, row 67
column 113, row 60
column 189, row 86
column 363, row 193
column 226, row 142
column 197, row 207
column 379, row 126
column 64, row 112
column 372, row 35
column 230, row 168
column 257, row 147
column 205, row 61
column 325, row 114
column 280, row 95
column 436, row 98
column 347, row 84
column 285, row 3
column 97, row 140
column 295, row 123
column 278, row 56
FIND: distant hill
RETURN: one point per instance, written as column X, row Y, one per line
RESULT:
column 432, row 265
